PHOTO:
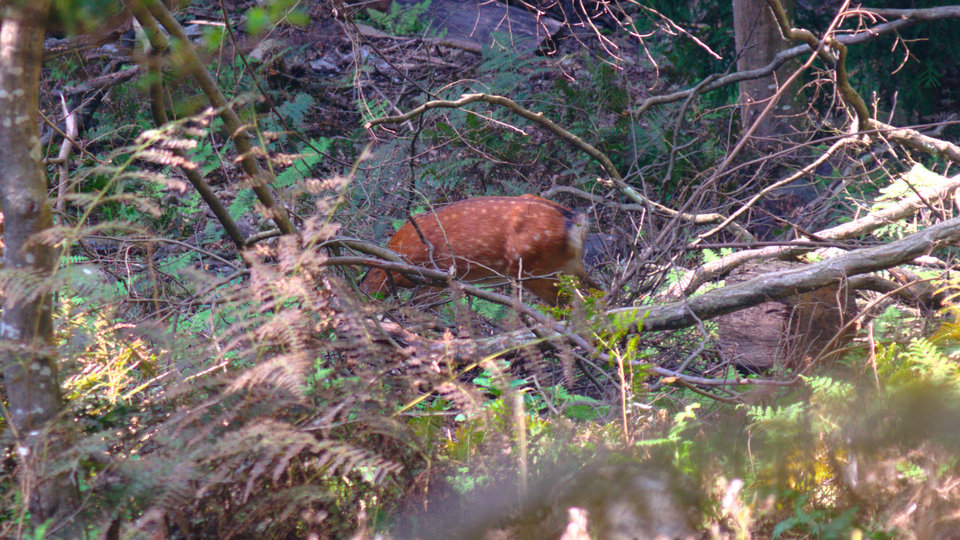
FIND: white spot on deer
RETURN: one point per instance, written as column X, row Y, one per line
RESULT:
column 36, row 366
column 29, row 258
column 46, row 371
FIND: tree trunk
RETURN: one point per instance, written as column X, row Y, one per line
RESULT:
column 27, row 357
column 758, row 40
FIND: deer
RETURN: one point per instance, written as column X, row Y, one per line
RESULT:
column 493, row 240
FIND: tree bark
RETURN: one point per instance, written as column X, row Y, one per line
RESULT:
column 758, row 41
column 27, row 357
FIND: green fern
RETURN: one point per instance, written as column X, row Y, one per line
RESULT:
column 920, row 361
column 295, row 111
column 405, row 20
column 300, row 169
column 242, row 203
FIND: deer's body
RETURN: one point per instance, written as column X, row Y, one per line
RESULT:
column 493, row 239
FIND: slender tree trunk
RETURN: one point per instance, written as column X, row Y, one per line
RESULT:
column 758, row 41
column 27, row 357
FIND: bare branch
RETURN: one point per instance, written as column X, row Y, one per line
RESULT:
column 909, row 17
column 575, row 141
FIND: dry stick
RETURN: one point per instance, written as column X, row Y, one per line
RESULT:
column 829, row 346
column 363, row 247
column 103, row 81
column 904, row 136
column 160, row 45
column 63, row 158
column 453, row 43
column 232, row 264
column 777, row 285
column 596, row 199
column 916, row 15
column 259, row 178
column 908, row 137
column 781, row 58
column 667, row 230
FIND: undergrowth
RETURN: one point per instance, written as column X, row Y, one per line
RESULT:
column 223, row 395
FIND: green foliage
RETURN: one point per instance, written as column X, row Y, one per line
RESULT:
column 242, row 204
column 677, row 441
column 818, row 523
column 687, row 60
column 251, row 445
column 920, row 360
column 918, row 178
column 276, row 404
column 204, row 153
column 213, row 37
column 577, row 407
column 710, row 255
column 301, row 167
column 296, row 110
column 259, row 19
column 465, row 480
column 509, row 71
column 405, row 20
column 370, row 110
column 79, row 16
column 108, row 372
column 484, row 308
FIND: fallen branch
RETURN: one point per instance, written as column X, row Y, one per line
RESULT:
column 777, row 285
column 547, row 329
column 904, row 208
column 103, row 81
column 918, row 141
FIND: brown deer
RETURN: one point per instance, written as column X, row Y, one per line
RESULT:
column 493, row 240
